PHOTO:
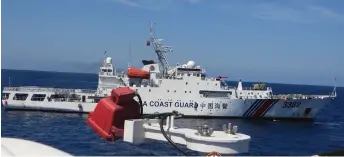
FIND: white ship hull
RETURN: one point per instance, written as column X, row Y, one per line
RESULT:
column 249, row 108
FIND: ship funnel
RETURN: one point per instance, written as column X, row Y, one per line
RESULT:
column 239, row 85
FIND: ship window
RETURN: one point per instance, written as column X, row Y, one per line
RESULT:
column 20, row 96
column 175, row 91
column 189, row 91
column 197, row 83
column 38, row 97
column 168, row 90
column 215, row 84
column 149, row 90
column 6, row 95
column 185, row 91
column 186, row 83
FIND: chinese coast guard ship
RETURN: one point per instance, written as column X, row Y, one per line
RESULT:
column 164, row 88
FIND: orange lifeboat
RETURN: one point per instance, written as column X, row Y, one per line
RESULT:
column 137, row 73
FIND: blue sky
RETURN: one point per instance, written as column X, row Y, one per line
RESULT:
column 293, row 41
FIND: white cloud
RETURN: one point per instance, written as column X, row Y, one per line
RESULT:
column 153, row 4
column 193, row 1
column 327, row 13
column 129, row 2
column 299, row 12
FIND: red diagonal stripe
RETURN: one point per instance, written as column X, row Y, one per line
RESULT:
column 262, row 108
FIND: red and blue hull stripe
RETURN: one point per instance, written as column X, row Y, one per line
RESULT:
column 260, row 107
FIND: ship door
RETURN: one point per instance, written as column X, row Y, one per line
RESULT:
column 83, row 98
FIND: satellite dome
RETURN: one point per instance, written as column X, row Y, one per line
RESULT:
column 191, row 64
column 108, row 60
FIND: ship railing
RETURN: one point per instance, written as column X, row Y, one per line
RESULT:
column 298, row 96
column 256, row 89
column 228, row 87
column 42, row 89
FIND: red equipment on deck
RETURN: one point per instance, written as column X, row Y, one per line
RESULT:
column 109, row 115
column 138, row 73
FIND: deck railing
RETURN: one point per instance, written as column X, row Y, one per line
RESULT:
column 298, row 96
column 42, row 89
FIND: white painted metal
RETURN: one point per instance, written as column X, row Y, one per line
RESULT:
column 14, row 147
column 223, row 142
column 136, row 131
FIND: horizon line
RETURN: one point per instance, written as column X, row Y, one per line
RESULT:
column 95, row 73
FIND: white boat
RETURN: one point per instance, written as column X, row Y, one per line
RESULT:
column 163, row 88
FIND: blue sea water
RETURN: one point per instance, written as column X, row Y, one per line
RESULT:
column 70, row 133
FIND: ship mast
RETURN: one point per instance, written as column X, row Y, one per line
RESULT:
column 160, row 50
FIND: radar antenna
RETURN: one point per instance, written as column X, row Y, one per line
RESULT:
column 160, row 50
column 334, row 92
column 129, row 56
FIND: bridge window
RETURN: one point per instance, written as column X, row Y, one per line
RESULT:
column 38, row 97
column 20, row 96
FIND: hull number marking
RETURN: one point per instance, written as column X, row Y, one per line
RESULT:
column 292, row 104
